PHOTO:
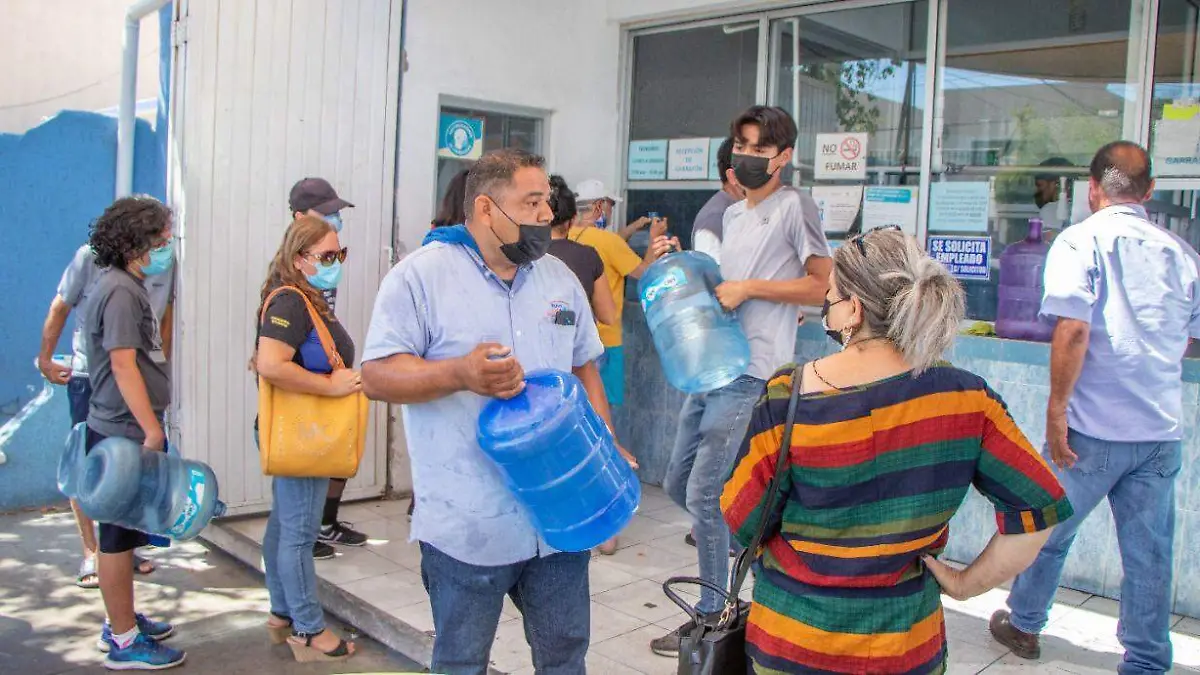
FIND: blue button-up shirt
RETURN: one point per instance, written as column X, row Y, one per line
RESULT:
column 439, row 303
column 1137, row 285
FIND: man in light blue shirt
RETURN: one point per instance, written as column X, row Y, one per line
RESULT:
column 457, row 322
column 1126, row 296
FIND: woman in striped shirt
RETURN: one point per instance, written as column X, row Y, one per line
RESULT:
column 888, row 439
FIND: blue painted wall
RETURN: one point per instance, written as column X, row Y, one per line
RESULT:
column 1020, row 373
column 57, row 178
column 54, row 181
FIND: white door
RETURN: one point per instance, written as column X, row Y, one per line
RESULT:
column 269, row 92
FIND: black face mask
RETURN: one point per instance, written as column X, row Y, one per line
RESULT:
column 834, row 335
column 751, row 171
column 533, row 241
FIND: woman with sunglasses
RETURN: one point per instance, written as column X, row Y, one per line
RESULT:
column 886, row 442
column 289, row 356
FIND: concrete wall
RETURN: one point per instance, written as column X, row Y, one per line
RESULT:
column 560, row 57
column 48, row 68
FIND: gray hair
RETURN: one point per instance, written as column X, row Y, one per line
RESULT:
column 907, row 297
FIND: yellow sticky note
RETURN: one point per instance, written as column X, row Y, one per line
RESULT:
column 1181, row 112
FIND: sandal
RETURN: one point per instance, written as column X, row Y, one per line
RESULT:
column 139, row 566
column 302, row 649
column 87, row 577
column 279, row 634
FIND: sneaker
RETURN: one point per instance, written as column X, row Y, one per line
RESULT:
column 322, row 551
column 342, row 534
column 1024, row 645
column 668, row 645
column 155, row 630
column 143, row 654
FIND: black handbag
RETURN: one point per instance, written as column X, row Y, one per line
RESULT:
column 716, row 643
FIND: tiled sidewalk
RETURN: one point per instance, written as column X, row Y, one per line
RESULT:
column 629, row 608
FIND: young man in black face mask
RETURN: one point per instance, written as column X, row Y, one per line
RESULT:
column 774, row 258
column 457, row 322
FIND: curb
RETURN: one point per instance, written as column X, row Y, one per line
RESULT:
column 372, row 621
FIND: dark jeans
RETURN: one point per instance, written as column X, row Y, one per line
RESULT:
column 551, row 593
column 79, row 396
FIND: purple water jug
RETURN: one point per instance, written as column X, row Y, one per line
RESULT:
column 1021, row 285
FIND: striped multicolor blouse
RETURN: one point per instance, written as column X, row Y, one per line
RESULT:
column 875, row 473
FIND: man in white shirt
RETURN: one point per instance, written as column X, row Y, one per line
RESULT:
column 1047, row 195
column 707, row 228
column 774, row 258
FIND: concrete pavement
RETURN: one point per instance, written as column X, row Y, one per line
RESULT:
column 48, row 625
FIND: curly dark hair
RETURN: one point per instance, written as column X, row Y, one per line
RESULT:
column 128, row 229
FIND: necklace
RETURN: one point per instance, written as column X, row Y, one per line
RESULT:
column 832, row 385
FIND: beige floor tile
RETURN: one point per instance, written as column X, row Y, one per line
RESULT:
column 389, row 591
column 642, row 600
column 419, row 616
column 386, row 508
column 603, row 577
column 358, row 514
column 600, row 665
column 352, row 564
column 608, row 623
column 510, row 651
column 675, row 544
column 971, row 658
column 672, row 515
column 644, row 561
column 692, row 569
column 250, row 527
column 632, row 650
column 403, row 553
column 643, row 530
column 1188, row 626
column 1187, row 650
column 653, row 499
column 383, row 530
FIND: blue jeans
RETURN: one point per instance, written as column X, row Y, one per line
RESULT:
column 1139, row 481
column 288, row 550
column 79, row 398
column 711, row 429
column 551, row 593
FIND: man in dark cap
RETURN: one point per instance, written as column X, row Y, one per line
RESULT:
column 316, row 197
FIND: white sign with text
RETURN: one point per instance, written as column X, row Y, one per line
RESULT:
column 841, row 157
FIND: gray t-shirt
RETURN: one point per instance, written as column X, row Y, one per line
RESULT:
column 73, row 289
column 119, row 316
column 772, row 241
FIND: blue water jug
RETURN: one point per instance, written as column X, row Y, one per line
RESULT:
column 155, row 492
column 71, row 461
column 1022, row 267
column 701, row 346
column 560, row 461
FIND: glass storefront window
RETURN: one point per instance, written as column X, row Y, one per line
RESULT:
column 1030, row 90
column 687, row 84
column 856, row 70
column 1176, row 104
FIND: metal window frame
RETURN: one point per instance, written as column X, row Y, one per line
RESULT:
column 933, row 123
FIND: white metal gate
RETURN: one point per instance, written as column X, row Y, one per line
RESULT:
column 268, row 92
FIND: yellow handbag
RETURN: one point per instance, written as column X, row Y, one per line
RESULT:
column 305, row 435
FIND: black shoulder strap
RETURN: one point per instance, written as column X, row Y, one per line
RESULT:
column 746, row 557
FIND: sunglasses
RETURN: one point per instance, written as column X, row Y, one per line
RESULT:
column 329, row 257
column 857, row 239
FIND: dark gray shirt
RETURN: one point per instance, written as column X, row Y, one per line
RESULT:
column 78, row 278
column 118, row 315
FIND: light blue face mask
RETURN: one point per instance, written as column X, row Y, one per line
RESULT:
column 327, row 277
column 334, row 219
column 161, row 260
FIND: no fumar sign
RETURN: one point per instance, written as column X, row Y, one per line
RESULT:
column 841, row 157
